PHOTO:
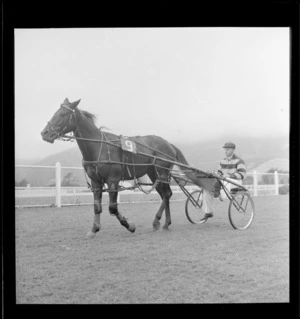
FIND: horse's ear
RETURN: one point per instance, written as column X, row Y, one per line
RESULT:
column 66, row 102
column 74, row 104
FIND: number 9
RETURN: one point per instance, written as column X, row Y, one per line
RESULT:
column 129, row 145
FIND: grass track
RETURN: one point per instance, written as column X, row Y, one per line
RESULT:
column 208, row 263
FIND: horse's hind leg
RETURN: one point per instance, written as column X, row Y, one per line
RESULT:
column 156, row 222
column 113, row 206
column 165, row 193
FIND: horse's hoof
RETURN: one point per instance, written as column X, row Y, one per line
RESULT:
column 165, row 227
column 91, row 235
column 95, row 228
column 131, row 227
column 156, row 226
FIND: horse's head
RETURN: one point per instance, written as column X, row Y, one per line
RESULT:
column 62, row 122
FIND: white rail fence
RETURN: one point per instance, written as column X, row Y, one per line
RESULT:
column 59, row 195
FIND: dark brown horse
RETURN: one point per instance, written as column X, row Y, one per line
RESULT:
column 107, row 164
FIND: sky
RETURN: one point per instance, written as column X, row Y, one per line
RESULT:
column 183, row 84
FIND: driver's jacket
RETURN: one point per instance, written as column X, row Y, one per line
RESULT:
column 234, row 166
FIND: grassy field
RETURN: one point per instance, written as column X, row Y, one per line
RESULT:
column 125, row 197
column 207, row 263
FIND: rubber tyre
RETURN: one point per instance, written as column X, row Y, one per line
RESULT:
column 241, row 219
column 193, row 207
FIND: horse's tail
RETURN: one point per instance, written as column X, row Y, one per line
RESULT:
column 181, row 159
column 103, row 127
column 179, row 156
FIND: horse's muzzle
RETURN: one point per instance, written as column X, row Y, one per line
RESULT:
column 48, row 136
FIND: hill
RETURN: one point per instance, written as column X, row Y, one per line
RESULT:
column 254, row 151
column 277, row 163
column 260, row 154
column 46, row 176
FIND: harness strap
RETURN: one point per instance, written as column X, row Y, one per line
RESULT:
column 88, row 183
column 63, row 105
column 150, row 190
column 122, row 165
column 125, row 158
column 155, row 167
column 100, row 148
column 128, row 170
column 85, row 175
column 108, row 150
column 134, row 173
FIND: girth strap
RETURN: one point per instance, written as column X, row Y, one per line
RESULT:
column 101, row 144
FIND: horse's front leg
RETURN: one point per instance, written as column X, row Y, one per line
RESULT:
column 167, row 196
column 113, row 206
column 97, row 190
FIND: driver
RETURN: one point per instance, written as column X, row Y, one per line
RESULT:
column 232, row 167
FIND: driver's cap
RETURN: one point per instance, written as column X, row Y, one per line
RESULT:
column 229, row 145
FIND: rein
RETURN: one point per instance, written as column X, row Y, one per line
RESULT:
column 138, row 152
column 187, row 167
column 109, row 161
column 118, row 145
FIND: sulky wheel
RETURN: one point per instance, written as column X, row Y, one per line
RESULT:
column 241, row 210
column 193, row 207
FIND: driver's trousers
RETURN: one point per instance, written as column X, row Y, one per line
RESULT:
column 208, row 196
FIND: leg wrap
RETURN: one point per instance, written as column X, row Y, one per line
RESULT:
column 124, row 222
column 113, row 209
column 97, row 206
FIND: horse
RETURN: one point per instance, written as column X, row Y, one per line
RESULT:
column 105, row 163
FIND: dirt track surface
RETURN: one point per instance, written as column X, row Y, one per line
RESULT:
column 207, row 263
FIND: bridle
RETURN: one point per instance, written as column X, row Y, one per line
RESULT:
column 73, row 113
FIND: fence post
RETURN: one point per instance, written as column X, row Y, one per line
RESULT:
column 58, row 184
column 254, row 183
column 276, row 182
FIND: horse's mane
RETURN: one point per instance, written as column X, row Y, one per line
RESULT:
column 92, row 117
column 88, row 115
